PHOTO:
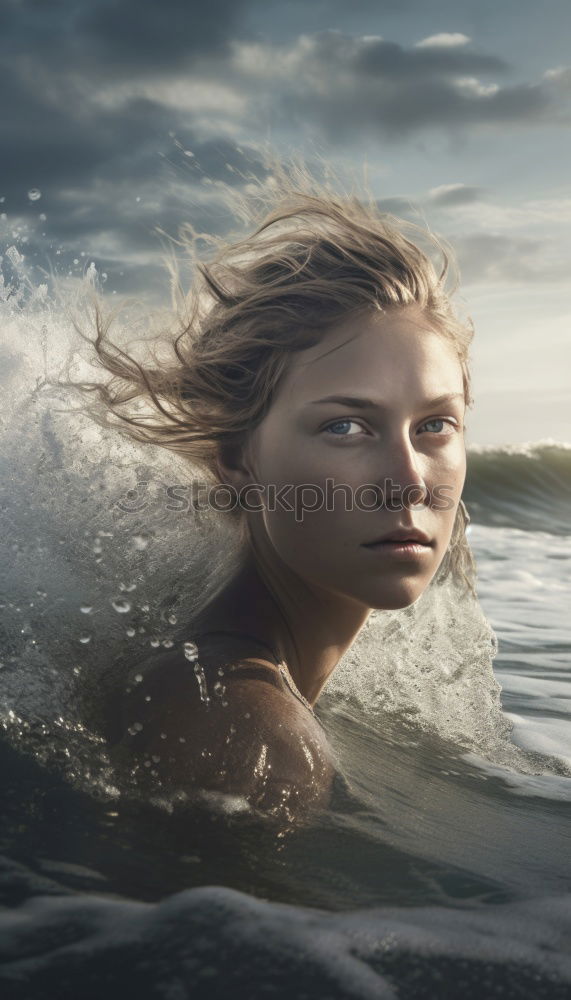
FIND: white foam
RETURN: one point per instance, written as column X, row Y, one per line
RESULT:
column 214, row 942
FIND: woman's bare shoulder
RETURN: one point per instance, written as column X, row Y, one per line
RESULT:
column 226, row 726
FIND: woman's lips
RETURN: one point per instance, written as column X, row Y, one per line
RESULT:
column 400, row 549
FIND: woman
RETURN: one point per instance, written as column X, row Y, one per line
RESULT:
column 322, row 378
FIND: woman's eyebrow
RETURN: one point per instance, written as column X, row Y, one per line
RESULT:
column 362, row 403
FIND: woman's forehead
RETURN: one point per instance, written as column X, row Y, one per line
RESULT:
column 381, row 354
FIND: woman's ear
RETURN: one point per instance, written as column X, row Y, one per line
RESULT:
column 232, row 464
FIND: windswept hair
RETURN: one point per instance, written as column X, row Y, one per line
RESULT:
column 314, row 258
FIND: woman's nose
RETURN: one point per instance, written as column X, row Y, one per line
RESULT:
column 403, row 482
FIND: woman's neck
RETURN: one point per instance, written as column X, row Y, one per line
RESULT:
column 309, row 629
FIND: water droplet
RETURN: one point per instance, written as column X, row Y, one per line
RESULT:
column 130, row 632
column 127, row 587
column 85, row 637
column 155, row 642
column 172, row 619
column 147, row 697
column 138, row 678
column 219, row 689
column 137, row 726
column 140, row 542
column 168, row 643
column 121, row 605
column 202, row 686
column 86, row 609
column 34, row 194
column 190, row 651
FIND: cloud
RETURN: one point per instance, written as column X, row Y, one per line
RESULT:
column 354, row 60
column 345, row 88
column 70, row 124
column 387, row 60
column 119, row 37
column 559, row 74
column 495, row 258
column 544, row 215
column 106, row 99
column 455, row 194
column 443, row 41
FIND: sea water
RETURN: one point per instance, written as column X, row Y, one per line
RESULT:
column 443, row 866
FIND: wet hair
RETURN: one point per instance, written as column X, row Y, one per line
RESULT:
column 314, row 258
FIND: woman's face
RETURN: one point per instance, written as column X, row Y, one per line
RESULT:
column 403, row 429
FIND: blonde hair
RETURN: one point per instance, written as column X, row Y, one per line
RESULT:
column 314, row 258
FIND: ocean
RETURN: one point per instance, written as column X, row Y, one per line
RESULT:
column 442, row 867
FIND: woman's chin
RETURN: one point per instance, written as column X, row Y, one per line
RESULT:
column 397, row 598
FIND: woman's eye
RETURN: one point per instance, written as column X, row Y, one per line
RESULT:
column 341, row 426
column 436, row 425
column 350, row 428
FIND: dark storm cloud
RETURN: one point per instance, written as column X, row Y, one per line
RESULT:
column 164, row 34
column 352, row 88
column 79, row 129
column 122, row 36
column 127, row 203
column 49, row 144
column 55, row 57
column 67, row 146
column 381, row 59
column 356, row 113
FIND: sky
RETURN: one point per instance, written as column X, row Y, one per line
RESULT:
column 123, row 116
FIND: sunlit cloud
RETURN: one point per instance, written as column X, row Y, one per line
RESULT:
column 443, row 41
